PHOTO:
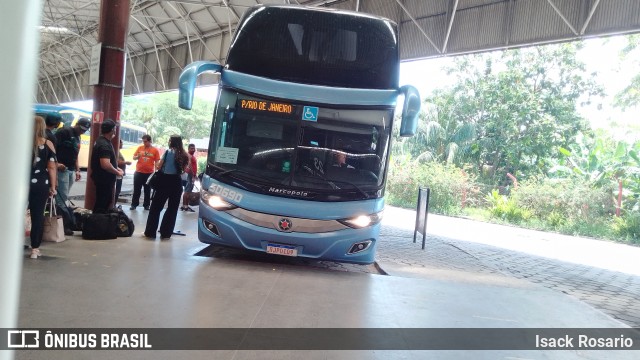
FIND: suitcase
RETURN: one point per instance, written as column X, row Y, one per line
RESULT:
column 100, row 226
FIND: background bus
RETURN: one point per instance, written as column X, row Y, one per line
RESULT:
column 129, row 133
column 304, row 90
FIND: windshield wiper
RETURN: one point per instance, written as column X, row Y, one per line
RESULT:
column 331, row 182
column 224, row 172
column 354, row 186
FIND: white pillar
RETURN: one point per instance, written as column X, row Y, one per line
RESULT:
column 18, row 67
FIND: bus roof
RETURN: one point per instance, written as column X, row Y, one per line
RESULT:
column 48, row 108
column 317, row 47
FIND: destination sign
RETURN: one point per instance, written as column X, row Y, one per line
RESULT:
column 268, row 106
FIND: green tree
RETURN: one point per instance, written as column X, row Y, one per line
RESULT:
column 160, row 115
column 139, row 110
column 441, row 136
column 521, row 105
column 590, row 158
column 629, row 97
column 604, row 163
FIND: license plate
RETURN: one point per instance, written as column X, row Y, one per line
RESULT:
column 279, row 249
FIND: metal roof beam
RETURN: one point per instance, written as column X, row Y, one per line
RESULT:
column 555, row 8
column 419, row 27
column 586, row 22
column 155, row 48
column 452, row 15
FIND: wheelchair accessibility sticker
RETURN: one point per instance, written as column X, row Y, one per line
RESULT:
column 310, row 113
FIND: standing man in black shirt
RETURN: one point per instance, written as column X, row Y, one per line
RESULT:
column 104, row 167
column 67, row 149
column 67, row 142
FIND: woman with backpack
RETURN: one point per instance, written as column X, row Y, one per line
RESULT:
column 168, row 189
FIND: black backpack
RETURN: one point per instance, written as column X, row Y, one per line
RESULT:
column 125, row 226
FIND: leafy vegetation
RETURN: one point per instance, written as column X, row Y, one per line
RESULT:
column 627, row 227
column 506, row 143
column 162, row 118
column 449, row 185
column 507, row 112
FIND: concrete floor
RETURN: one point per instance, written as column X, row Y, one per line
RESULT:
column 138, row 283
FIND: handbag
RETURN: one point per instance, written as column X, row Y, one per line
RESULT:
column 154, row 179
column 193, row 198
column 53, row 225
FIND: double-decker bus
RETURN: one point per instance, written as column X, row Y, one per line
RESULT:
column 129, row 133
column 301, row 133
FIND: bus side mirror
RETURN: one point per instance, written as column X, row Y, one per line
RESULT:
column 410, row 111
column 188, row 78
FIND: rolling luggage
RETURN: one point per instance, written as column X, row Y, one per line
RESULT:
column 100, row 226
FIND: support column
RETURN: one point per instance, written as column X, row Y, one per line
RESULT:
column 107, row 94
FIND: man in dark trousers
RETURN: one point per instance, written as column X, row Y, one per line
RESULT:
column 67, row 148
column 104, row 167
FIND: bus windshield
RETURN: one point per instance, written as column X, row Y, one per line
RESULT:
column 264, row 145
column 320, row 48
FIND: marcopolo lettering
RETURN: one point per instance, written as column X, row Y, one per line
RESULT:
column 288, row 192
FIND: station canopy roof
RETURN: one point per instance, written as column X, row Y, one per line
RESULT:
column 166, row 35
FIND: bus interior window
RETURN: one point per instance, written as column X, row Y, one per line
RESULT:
column 67, row 119
column 265, row 130
column 297, row 33
column 342, row 48
column 315, row 45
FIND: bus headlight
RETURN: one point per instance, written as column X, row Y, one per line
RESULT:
column 361, row 221
column 216, row 202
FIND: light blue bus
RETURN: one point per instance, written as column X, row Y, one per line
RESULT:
column 301, row 133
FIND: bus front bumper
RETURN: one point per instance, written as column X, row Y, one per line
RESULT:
column 218, row 227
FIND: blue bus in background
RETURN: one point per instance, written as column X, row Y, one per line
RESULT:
column 301, row 133
column 129, row 134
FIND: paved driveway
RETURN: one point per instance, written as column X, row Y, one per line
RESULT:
column 604, row 275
